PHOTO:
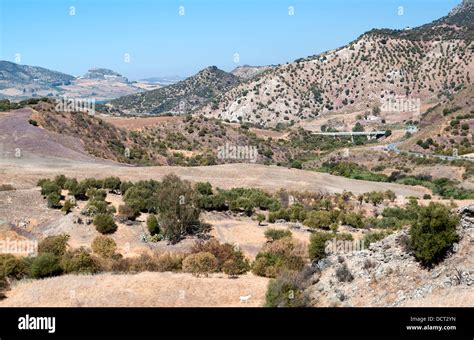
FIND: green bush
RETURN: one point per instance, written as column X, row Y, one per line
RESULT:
column 126, row 212
column 277, row 256
column 235, row 266
column 67, row 207
column 200, row 263
column 105, row 223
column 104, row 246
column 373, row 236
column 45, row 265
column 276, row 234
column 318, row 219
column 13, row 267
column 112, row 183
column 433, row 234
column 56, row 245
column 286, row 290
column 49, row 187
column 79, row 261
column 152, row 225
column 317, row 245
column 54, row 200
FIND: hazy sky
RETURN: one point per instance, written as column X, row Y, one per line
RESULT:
column 161, row 42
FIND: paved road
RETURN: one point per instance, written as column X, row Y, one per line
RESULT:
column 394, row 147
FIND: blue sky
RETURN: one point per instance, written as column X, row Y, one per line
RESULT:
column 161, row 42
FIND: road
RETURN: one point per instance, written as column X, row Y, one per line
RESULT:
column 394, row 147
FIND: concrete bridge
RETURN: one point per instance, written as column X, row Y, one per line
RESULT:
column 370, row 134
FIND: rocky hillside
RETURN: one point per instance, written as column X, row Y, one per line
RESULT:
column 423, row 62
column 182, row 97
column 24, row 80
column 247, row 72
column 387, row 275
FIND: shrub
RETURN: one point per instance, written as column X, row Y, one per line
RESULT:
column 283, row 254
column 96, row 194
column 318, row 219
column 105, row 224
column 112, row 183
column 373, row 237
column 6, row 187
column 433, row 234
column 13, row 267
column 54, row 200
column 152, row 225
column 126, row 212
column 67, row 207
column 343, row 273
column 287, row 290
column 426, row 196
column 200, row 263
column 96, row 206
column 104, row 246
column 260, row 218
column 79, row 261
column 317, row 245
column 237, row 265
column 276, row 234
column 169, row 262
column 45, row 265
column 4, row 286
column 222, row 251
column 56, row 245
column 49, row 187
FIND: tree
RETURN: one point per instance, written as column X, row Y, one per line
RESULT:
column 178, row 211
column 152, row 224
column 433, row 234
column 105, row 223
column 200, row 263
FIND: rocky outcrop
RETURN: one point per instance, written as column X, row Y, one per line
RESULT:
column 387, row 274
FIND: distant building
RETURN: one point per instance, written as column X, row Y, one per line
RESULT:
column 411, row 129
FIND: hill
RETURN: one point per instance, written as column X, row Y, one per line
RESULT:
column 182, row 97
column 26, row 81
column 422, row 63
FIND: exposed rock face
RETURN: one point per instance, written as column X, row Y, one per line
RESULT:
column 386, row 274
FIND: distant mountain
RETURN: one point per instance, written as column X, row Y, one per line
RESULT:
column 247, row 71
column 182, row 97
column 163, row 81
column 426, row 63
column 104, row 74
column 24, row 80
